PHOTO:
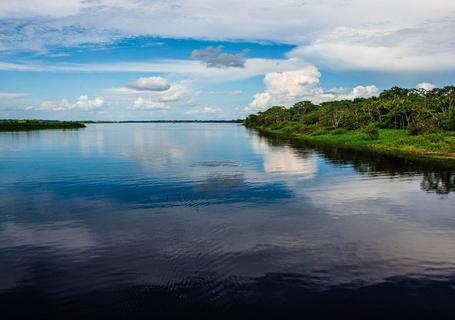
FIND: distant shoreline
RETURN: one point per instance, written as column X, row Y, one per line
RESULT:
column 165, row 121
column 11, row 125
column 7, row 125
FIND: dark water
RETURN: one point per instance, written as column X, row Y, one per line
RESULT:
column 132, row 220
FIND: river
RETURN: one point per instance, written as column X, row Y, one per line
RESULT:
column 135, row 220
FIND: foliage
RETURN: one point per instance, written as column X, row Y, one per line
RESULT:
column 416, row 110
column 371, row 131
column 339, row 131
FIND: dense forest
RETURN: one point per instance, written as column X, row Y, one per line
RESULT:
column 416, row 110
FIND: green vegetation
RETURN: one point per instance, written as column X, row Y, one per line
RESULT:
column 24, row 125
column 399, row 121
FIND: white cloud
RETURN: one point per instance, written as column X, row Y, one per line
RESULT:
column 261, row 101
column 187, row 68
column 176, row 95
column 12, row 95
column 421, row 48
column 9, row 66
column 82, row 103
column 32, row 8
column 155, row 93
column 121, row 90
column 355, row 34
column 232, row 93
column 426, row 86
column 149, row 84
column 349, row 94
column 210, row 110
column 291, row 83
column 148, row 104
column 286, row 88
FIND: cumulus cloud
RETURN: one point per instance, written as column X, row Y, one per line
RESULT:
column 155, row 93
column 149, row 84
column 349, row 94
column 426, row 86
column 291, row 83
column 213, row 57
column 282, row 88
column 82, row 103
column 286, row 88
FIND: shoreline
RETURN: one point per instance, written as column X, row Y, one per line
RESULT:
column 356, row 140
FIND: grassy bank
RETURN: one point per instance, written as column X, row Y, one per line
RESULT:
column 25, row 125
column 439, row 145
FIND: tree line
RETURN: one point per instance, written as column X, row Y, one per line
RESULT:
column 417, row 110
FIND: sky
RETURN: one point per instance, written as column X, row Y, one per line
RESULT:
column 195, row 59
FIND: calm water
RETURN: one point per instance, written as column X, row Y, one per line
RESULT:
column 167, row 219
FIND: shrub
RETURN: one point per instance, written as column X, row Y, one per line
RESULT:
column 422, row 127
column 339, row 131
column 371, row 131
column 304, row 129
column 288, row 129
column 318, row 131
column 448, row 119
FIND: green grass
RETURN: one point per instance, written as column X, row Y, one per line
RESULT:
column 25, row 125
column 439, row 145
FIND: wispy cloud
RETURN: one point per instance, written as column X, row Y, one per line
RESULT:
column 194, row 70
column 12, row 95
column 373, row 35
column 232, row 93
column 202, row 110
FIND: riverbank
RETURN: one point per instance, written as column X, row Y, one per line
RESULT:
column 26, row 125
column 439, row 145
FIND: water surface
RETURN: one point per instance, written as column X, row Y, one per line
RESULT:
column 136, row 220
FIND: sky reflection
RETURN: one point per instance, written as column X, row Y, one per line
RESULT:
column 163, row 205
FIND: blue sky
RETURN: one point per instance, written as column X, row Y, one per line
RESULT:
column 194, row 59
